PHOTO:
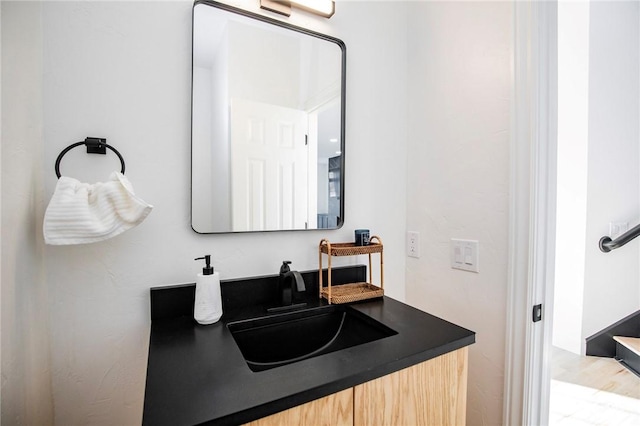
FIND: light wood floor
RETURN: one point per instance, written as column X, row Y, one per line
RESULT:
column 589, row 390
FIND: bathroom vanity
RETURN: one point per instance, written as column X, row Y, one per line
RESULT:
column 415, row 374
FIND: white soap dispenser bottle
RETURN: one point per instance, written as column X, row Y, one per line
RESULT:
column 208, row 305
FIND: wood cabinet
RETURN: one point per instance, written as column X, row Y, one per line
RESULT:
column 335, row 409
column 430, row 393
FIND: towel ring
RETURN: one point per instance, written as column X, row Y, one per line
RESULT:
column 94, row 146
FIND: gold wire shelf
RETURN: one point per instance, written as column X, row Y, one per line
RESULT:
column 352, row 292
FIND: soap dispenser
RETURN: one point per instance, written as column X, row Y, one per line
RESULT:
column 208, row 305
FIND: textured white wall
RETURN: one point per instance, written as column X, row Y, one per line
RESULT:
column 458, row 177
column 26, row 385
column 122, row 70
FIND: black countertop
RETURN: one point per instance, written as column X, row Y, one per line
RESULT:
column 197, row 375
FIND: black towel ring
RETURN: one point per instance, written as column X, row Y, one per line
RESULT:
column 94, row 146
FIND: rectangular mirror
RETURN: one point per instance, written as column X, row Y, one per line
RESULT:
column 267, row 127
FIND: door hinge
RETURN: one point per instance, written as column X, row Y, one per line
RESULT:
column 537, row 313
column 306, row 139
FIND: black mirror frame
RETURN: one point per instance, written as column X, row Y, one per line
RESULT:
column 343, row 80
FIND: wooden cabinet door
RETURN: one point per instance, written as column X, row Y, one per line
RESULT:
column 335, row 409
column 431, row 393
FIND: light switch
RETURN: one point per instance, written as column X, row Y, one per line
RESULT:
column 465, row 255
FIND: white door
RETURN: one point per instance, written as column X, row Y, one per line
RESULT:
column 269, row 167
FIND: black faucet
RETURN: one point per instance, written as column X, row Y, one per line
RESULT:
column 289, row 283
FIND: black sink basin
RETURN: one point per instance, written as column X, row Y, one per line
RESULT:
column 283, row 339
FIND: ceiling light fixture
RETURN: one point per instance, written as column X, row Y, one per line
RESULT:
column 325, row 8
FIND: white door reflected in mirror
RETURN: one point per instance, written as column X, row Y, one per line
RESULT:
column 270, row 167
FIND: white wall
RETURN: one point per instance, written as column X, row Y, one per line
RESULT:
column 203, row 216
column 122, row 70
column 612, row 281
column 598, row 152
column 458, row 177
column 26, row 369
column 220, row 154
column 323, row 187
column 268, row 53
column 0, row 210
column 572, row 172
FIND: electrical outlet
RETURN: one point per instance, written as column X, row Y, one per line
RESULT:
column 465, row 255
column 413, row 244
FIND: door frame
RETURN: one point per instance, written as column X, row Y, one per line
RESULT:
column 532, row 212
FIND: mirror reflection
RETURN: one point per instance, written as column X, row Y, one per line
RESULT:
column 267, row 124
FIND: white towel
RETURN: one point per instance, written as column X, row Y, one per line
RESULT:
column 81, row 213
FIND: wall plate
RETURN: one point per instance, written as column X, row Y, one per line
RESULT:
column 465, row 255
